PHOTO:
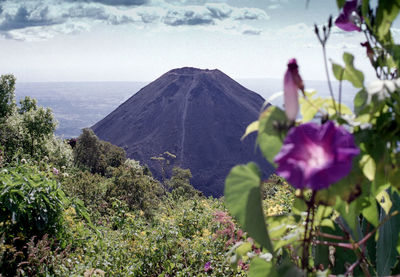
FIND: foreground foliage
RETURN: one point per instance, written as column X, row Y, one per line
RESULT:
column 343, row 164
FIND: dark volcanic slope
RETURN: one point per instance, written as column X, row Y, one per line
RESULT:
column 198, row 115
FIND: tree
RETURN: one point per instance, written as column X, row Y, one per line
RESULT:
column 97, row 154
column 87, row 150
column 39, row 124
column 27, row 104
column 7, row 95
column 179, row 184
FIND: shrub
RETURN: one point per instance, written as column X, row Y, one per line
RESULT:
column 97, row 155
column 90, row 188
column 133, row 186
column 58, row 151
column 7, row 95
column 179, row 184
column 31, row 203
column 42, row 257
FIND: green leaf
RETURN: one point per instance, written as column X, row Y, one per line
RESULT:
column 348, row 73
column 321, row 254
column 342, row 256
column 243, row 200
column 253, row 127
column 243, row 249
column 269, row 138
column 340, row 3
column 370, row 212
column 360, row 101
column 384, row 201
column 394, row 51
column 386, row 13
column 338, row 71
column 386, row 251
column 368, row 166
column 285, row 229
column 309, row 107
column 349, row 212
column 262, row 268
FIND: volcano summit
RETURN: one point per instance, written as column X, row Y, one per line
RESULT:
column 198, row 115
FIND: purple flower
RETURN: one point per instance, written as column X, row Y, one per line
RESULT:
column 55, row 171
column 207, row 267
column 316, row 156
column 348, row 17
column 291, row 84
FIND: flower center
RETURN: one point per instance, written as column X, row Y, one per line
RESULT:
column 318, row 156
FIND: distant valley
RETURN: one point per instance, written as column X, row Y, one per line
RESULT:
column 77, row 105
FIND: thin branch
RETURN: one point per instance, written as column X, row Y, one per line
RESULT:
column 329, row 236
column 337, row 244
column 352, row 267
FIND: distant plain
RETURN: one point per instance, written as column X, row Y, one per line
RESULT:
column 77, row 105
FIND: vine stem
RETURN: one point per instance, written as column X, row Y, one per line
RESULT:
column 308, row 231
column 356, row 245
column 329, row 79
column 329, row 236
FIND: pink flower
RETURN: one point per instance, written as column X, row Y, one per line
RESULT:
column 349, row 16
column 316, row 156
column 291, row 84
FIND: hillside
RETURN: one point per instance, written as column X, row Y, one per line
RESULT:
column 198, row 115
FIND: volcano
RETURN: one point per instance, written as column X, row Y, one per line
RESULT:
column 199, row 115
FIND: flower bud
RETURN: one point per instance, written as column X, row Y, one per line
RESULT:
column 292, row 83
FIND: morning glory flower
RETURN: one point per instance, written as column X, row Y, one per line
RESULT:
column 349, row 17
column 316, row 156
column 291, row 84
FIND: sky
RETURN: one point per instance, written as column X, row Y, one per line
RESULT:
column 139, row 40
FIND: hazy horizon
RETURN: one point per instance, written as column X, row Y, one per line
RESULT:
column 78, row 105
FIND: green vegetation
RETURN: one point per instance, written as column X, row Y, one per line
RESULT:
column 343, row 218
column 81, row 208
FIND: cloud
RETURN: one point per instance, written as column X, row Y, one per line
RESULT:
column 210, row 14
column 47, row 18
column 116, row 2
column 40, row 33
column 102, row 14
column 24, row 18
column 187, row 17
column 274, row 6
column 249, row 14
column 253, row 32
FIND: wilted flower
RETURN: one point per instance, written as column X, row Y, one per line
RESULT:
column 370, row 52
column 207, row 267
column 291, row 84
column 55, row 171
column 382, row 89
column 266, row 256
column 349, row 17
column 316, row 156
column 23, row 161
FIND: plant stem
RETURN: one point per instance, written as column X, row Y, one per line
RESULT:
column 329, row 236
column 340, row 94
column 308, row 232
column 327, row 76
